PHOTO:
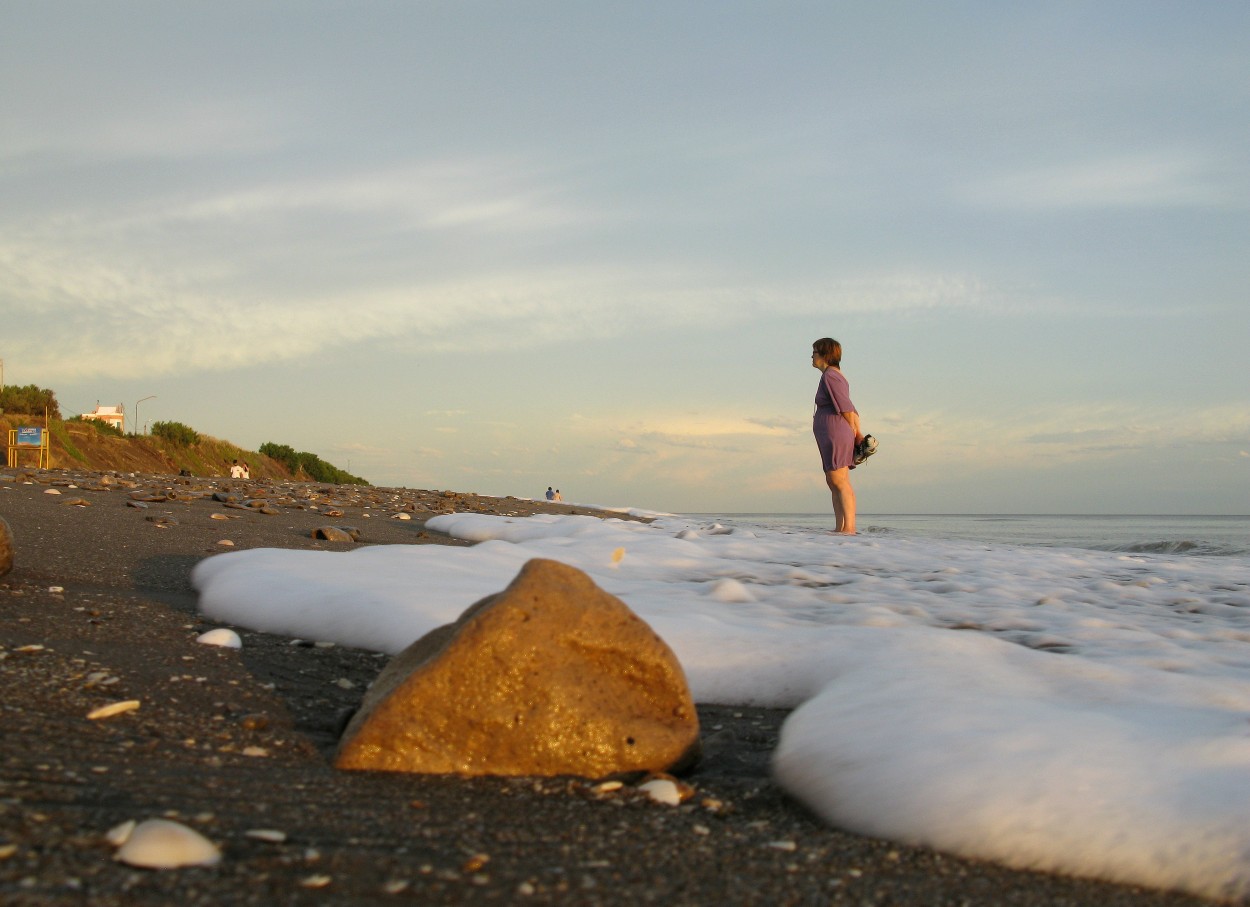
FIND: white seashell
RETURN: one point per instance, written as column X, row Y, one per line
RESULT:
column 161, row 844
column 221, row 637
column 661, row 790
column 401, row 516
column 113, row 708
column 120, row 834
column 272, row 835
column 51, row 491
column 315, row 881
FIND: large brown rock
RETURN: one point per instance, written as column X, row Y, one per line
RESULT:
column 6, row 547
column 552, row 676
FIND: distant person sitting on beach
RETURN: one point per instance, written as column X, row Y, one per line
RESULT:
column 558, row 496
column 236, row 471
column 836, row 427
column 551, row 495
column 247, row 471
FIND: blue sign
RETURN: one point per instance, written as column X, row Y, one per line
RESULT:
column 29, row 436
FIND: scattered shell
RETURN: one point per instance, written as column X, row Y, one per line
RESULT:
column 218, row 516
column 345, row 684
column 661, row 791
column 7, row 850
column 315, row 881
column 120, row 834
column 226, row 543
column 401, row 516
column 395, row 886
column 666, row 789
column 618, row 555
column 257, row 751
column 33, row 647
column 56, row 590
column 272, row 835
column 52, row 491
column 161, row 844
column 113, row 708
column 783, row 845
column 607, row 787
column 221, row 637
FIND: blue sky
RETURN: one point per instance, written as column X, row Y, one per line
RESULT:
column 500, row 246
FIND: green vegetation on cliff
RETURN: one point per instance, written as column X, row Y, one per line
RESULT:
column 310, row 465
column 171, row 448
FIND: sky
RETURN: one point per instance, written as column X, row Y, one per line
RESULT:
column 497, row 246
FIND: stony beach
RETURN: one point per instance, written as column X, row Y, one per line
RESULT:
column 236, row 743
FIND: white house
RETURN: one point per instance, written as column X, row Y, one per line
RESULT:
column 113, row 415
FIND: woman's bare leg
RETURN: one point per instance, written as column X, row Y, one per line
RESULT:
column 839, row 481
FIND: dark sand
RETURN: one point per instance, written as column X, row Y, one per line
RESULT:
column 104, row 591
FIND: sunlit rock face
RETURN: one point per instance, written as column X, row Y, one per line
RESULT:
column 552, row 676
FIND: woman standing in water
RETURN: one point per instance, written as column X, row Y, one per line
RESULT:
column 836, row 427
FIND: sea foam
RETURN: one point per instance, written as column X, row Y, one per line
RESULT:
column 1076, row 711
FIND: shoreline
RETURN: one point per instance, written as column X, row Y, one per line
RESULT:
column 99, row 608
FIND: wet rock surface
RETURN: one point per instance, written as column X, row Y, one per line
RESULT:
column 237, row 744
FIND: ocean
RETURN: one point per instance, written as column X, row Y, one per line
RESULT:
column 1060, row 693
column 1196, row 535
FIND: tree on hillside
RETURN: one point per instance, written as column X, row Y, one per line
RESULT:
column 29, row 400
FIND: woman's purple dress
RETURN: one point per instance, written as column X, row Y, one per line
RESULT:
column 834, row 436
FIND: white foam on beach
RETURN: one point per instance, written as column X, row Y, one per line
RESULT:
column 1058, row 709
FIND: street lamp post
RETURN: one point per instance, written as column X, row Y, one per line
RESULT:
column 137, row 402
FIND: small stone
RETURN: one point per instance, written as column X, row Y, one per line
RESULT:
column 332, row 534
column 76, row 502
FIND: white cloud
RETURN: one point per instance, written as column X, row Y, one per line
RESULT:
column 1131, row 180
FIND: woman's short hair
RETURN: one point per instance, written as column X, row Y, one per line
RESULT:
column 829, row 350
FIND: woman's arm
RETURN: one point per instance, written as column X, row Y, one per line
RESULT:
column 853, row 418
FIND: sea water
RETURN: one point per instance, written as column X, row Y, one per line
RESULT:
column 1166, row 534
column 1068, row 694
